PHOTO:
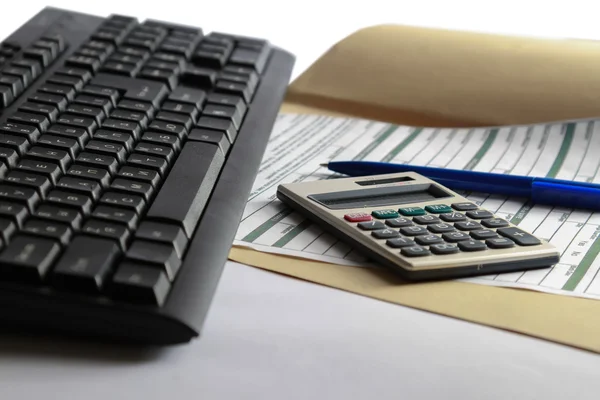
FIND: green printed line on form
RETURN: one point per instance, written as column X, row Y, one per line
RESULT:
column 265, row 226
column 562, row 153
column 382, row 137
column 484, row 148
column 521, row 214
column 583, row 266
column 390, row 156
column 298, row 229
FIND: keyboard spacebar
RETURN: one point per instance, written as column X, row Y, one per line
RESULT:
column 184, row 194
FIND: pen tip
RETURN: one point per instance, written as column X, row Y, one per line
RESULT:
column 324, row 164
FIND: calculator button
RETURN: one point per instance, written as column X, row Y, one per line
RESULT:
column 494, row 223
column 426, row 240
column 384, row 214
column 471, row 245
column 438, row 208
column 410, row 211
column 414, row 251
column 500, row 243
column 398, row 222
column 440, row 228
column 467, row 225
column 483, row 234
column 455, row 236
column 426, row 219
column 479, row 214
column 464, row 206
column 519, row 236
column 371, row 225
column 414, row 230
column 444, row 248
column 453, row 217
column 357, row 217
column 400, row 242
column 385, row 233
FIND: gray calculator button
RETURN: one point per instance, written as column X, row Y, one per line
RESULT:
column 453, row 217
column 414, row 230
column 519, row 236
column 398, row 222
column 471, row 245
column 386, row 233
column 494, row 223
column 500, row 243
column 444, row 248
column 400, row 242
column 455, row 236
column 483, row 234
column 426, row 219
column 479, row 214
column 440, row 228
column 426, row 240
column 467, row 225
column 414, row 251
column 371, row 225
column 464, row 206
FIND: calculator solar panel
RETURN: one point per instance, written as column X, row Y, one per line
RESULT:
column 127, row 153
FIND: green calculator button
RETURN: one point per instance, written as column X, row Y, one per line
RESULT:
column 383, row 214
column 410, row 211
column 438, row 208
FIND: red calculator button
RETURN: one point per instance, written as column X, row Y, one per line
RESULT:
column 358, row 217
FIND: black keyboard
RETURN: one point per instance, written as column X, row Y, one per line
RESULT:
column 127, row 153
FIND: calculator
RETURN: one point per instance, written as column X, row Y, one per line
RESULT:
column 417, row 227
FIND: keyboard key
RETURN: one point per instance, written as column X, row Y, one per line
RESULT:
column 96, row 113
column 28, row 197
column 250, row 58
column 98, row 90
column 471, row 245
column 76, row 121
column 399, row 242
column 143, row 189
column 61, row 90
column 133, row 116
column 109, row 230
column 80, row 202
column 58, row 101
column 192, row 178
column 19, row 144
column 121, row 138
column 467, row 225
column 181, row 108
column 99, row 175
column 160, row 255
column 162, row 138
column 218, row 124
column 39, row 121
column 140, row 284
column 440, row 228
column 23, row 74
column 38, row 182
column 166, row 77
column 398, row 222
column 6, row 96
column 168, row 127
column 211, row 136
column 414, row 230
column 519, row 236
column 135, row 89
column 73, row 81
column 138, row 106
column 107, row 148
column 16, row 212
column 48, row 111
column 165, row 233
column 426, row 219
column 28, row 258
column 60, row 214
column 140, row 174
column 7, row 229
column 157, row 150
column 186, row 95
column 103, row 103
column 228, row 100
column 123, row 126
column 427, row 240
column 368, row 225
column 455, row 236
column 127, row 201
column 98, row 161
column 54, row 156
column 453, row 217
column 86, row 264
column 84, row 186
column 145, row 161
column 238, row 89
column 31, row 133
column 53, row 230
column 175, row 118
column 14, row 83
column 114, row 214
column 386, row 233
column 69, row 145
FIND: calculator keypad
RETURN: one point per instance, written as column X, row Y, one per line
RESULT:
column 441, row 229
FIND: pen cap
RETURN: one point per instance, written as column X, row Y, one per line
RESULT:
column 570, row 196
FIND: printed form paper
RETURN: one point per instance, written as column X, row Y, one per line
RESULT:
column 562, row 150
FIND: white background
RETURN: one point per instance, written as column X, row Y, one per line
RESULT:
column 272, row 337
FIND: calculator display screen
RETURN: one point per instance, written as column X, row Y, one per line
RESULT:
column 380, row 196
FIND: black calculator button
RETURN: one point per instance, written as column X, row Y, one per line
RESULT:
column 427, row 240
column 455, row 236
column 453, row 217
column 440, row 228
column 494, row 223
column 426, row 219
column 444, row 248
column 466, row 206
column 519, row 236
column 414, row 230
column 471, row 245
column 400, row 242
column 479, row 214
column 499, row 243
column 483, row 234
column 385, row 233
column 467, row 225
column 415, row 251
column 371, row 225
column 398, row 222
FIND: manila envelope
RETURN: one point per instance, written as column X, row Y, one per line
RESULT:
column 433, row 77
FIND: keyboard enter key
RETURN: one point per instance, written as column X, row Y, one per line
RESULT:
column 185, row 192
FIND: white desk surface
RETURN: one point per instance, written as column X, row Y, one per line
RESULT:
column 272, row 337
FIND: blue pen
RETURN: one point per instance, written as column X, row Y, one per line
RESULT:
column 555, row 192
